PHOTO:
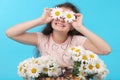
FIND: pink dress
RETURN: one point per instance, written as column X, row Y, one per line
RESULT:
column 47, row 46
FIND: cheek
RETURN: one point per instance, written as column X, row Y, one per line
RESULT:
column 53, row 23
column 69, row 25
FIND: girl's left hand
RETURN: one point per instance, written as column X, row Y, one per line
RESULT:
column 77, row 24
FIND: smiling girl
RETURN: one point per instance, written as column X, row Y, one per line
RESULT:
column 59, row 35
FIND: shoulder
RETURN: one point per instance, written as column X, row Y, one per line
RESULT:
column 42, row 40
column 41, row 35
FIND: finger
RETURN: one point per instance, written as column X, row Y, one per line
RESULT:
column 75, row 20
column 50, row 19
column 50, row 9
column 45, row 10
column 78, row 15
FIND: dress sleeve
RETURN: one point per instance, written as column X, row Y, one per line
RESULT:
column 78, row 40
column 40, row 39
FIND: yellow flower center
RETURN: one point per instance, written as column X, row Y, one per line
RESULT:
column 92, row 56
column 84, row 58
column 36, row 62
column 72, row 48
column 84, row 68
column 25, row 70
column 20, row 68
column 33, row 70
column 53, row 70
column 90, row 67
column 103, row 72
column 81, row 73
column 78, row 54
column 45, row 69
column 57, row 13
column 77, row 50
column 69, row 16
column 97, row 65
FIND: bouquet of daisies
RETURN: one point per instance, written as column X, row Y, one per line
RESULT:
column 42, row 67
column 87, row 64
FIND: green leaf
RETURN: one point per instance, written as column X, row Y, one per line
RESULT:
column 76, row 66
column 41, row 75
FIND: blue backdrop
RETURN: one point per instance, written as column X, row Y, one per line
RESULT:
column 100, row 16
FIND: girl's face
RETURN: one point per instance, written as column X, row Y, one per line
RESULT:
column 60, row 24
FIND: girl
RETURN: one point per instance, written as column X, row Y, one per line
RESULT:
column 59, row 35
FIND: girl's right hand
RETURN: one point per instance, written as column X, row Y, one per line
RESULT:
column 46, row 16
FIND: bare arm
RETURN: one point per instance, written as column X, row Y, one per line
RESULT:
column 19, row 32
column 93, row 42
column 23, row 27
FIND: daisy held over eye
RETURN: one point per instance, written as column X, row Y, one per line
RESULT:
column 64, row 29
column 58, row 13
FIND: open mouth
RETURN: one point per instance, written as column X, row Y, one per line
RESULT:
column 59, row 24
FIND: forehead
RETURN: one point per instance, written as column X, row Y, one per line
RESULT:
column 65, row 9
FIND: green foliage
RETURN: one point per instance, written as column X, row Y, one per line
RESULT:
column 41, row 75
column 76, row 66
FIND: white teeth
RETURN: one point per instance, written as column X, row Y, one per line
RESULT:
column 59, row 24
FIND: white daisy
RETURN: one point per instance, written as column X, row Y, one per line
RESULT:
column 81, row 75
column 98, row 66
column 52, row 63
column 90, row 68
column 91, row 55
column 97, row 77
column 71, row 50
column 69, row 16
column 84, row 57
column 54, row 72
column 22, row 70
column 83, row 68
column 76, row 53
column 56, row 13
column 103, row 73
column 45, row 69
column 33, row 70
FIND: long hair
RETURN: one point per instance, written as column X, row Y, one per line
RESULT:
column 48, row 28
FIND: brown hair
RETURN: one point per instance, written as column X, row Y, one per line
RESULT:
column 48, row 28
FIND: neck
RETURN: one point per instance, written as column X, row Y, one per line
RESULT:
column 59, row 37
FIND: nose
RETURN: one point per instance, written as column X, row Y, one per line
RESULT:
column 62, row 20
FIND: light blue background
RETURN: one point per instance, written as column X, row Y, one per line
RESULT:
column 100, row 16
